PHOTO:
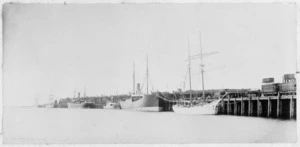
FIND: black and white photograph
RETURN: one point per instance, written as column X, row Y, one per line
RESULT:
column 149, row 73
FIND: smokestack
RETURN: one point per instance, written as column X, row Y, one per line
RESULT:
column 78, row 94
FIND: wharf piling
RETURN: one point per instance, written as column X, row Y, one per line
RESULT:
column 242, row 106
column 250, row 108
column 275, row 100
column 272, row 106
column 275, row 106
column 269, row 107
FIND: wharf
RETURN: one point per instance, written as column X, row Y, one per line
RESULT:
column 274, row 106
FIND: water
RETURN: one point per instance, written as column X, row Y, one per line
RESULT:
column 42, row 125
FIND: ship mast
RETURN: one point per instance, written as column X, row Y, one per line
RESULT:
column 190, row 79
column 133, row 79
column 147, row 73
column 84, row 91
column 74, row 93
column 51, row 96
column 36, row 102
column 202, row 67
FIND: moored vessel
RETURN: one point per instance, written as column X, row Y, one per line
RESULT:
column 112, row 105
column 141, row 102
column 85, row 105
column 75, row 105
column 138, row 100
column 206, row 108
column 202, row 106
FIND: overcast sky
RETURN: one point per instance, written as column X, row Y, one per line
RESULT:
column 69, row 47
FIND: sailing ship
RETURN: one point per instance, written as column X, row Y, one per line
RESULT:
column 140, row 101
column 203, row 106
column 49, row 104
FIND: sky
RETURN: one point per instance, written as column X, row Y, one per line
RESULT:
column 67, row 48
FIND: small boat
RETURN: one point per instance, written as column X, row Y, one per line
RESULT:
column 46, row 106
column 204, row 108
column 85, row 105
column 112, row 105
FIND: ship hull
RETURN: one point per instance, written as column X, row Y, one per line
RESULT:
column 85, row 106
column 75, row 105
column 46, row 106
column 146, row 103
column 203, row 109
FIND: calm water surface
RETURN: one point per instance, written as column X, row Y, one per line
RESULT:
column 42, row 125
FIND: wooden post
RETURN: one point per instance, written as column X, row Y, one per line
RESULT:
column 242, row 107
column 278, row 106
column 223, row 106
column 235, row 107
column 292, row 110
column 249, row 107
column 222, row 103
column 259, row 107
column 228, row 104
column 269, row 107
column 173, row 103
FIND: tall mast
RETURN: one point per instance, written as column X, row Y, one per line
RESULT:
column 36, row 101
column 190, row 78
column 74, row 93
column 84, row 91
column 202, row 66
column 51, row 97
column 133, row 79
column 147, row 73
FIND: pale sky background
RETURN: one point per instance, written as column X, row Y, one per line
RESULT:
column 68, row 47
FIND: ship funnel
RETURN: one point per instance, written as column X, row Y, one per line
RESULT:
column 78, row 94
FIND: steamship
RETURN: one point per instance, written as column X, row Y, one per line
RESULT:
column 141, row 102
column 138, row 100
